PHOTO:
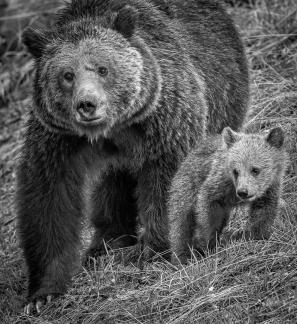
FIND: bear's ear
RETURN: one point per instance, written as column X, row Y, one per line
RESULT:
column 125, row 21
column 229, row 136
column 35, row 40
column 275, row 137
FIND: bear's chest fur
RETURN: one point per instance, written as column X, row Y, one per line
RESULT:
column 124, row 149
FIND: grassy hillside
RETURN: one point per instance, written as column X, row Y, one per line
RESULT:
column 244, row 282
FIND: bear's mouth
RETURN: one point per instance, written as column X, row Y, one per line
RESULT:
column 87, row 121
column 248, row 199
column 92, row 122
column 93, row 128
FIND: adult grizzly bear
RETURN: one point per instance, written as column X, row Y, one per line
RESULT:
column 123, row 90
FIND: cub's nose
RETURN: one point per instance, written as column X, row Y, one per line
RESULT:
column 86, row 108
column 242, row 193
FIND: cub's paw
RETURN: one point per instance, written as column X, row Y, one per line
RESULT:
column 35, row 304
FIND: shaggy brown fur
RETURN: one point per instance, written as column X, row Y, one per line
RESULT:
column 123, row 91
column 224, row 171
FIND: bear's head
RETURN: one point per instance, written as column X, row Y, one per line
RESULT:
column 254, row 161
column 91, row 78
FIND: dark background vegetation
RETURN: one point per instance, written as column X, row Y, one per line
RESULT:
column 245, row 282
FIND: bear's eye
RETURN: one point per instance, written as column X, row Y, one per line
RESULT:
column 235, row 173
column 68, row 76
column 255, row 171
column 103, row 71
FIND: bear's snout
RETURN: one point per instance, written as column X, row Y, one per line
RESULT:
column 86, row 107
column 244, row 194
column 89, row 108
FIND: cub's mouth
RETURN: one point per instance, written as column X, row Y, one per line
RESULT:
column 247, row 199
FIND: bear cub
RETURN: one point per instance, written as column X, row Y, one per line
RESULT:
column 224, row 171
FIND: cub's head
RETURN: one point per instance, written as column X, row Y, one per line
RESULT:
column 90, row 72
column 254, row 161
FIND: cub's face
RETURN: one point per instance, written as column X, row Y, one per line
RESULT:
column 89, row 77
column 254, row 161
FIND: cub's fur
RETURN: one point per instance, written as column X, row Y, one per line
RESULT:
column 123, row 91
column 222, row 172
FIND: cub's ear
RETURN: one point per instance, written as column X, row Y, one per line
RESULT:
column 125, row 21
column 275, row 137
column 230, row 137
column 35, row 40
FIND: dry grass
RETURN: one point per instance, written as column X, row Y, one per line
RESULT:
column 245, row 282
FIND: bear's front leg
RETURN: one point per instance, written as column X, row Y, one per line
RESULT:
column 49, row 211
column 152, row 195
column 114, row 213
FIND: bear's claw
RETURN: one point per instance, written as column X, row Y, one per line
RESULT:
column 36, row 305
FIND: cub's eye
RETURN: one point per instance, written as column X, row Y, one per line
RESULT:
column 68, row 76
column 103, row 71
column 255, row 171
column 235, row 173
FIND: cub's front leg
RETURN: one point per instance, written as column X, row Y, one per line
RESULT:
column 262, row 214
column 211, row 216
column 49, row 179
column 181, row 218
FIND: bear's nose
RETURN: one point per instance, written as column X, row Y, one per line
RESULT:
column 86, row 108
column 242, row 193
